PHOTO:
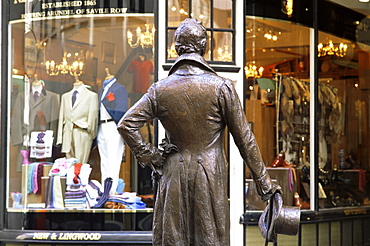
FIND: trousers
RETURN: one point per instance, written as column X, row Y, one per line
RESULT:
column 111, row 149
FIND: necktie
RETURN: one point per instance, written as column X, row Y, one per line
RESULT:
column 74, row 96
column 36, row 95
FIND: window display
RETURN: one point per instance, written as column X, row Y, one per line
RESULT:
column 277, row 102
column 76, row 77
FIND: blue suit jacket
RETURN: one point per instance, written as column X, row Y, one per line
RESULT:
column 115, row 101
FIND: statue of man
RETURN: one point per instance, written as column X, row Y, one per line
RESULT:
column 194, row 106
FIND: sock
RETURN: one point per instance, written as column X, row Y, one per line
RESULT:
column 107, row 186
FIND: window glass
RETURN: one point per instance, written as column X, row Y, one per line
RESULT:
column 201, row 11
column 178, row 10
column 342, row 121
column 222, row 14
column 216, row 19
column 60, row 148
column 343, row 106
column 277, row 100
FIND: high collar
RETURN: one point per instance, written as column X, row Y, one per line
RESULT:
column 190, row 57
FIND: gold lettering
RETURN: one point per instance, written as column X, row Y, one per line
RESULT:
column 118, row 10
column 79, row 236
column 40, row 235
column 97, row 11
column 90, row 3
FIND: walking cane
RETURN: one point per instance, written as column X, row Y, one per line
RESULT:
column 271, row 206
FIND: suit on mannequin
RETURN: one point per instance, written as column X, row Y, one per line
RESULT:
column 78, row 124
column 113, row 103
column 43, row 112
column 43, row 115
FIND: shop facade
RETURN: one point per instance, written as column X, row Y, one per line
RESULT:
column 301, row 72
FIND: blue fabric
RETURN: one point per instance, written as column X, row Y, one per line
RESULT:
column 117, row 107
column 30, row 173
column 74, row 96
column 106, row 82
column 129, row 205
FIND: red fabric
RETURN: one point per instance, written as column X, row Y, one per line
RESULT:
column 361, row 179
column 110, row 96
column 77, row 172
column 141, row 71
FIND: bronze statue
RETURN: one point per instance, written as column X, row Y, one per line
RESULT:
column 194, row 106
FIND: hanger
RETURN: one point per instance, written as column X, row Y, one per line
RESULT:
column 109, row 76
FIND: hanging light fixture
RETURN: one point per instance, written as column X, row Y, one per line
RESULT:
column 171, row 52
column 252, row 71
column 330, row 49
column 144, row 39
column 74, row 68
column 224, row 54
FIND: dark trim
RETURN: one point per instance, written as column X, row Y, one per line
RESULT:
column 316, row 105
column 312, row 217
column 122, row 237
column 216, row 68
column 3, row 108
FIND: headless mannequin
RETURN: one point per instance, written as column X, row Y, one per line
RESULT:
column 112, row 104
column 109, row 76
column 36, row 84
column 77, row 84
column 43, row 114
column 79, row 115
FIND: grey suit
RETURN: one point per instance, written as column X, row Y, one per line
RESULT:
column 78, row 124
column 45, row 108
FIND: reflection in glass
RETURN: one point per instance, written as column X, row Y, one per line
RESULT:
column 178, row 10
column 222, row 42
column 222, row 14
column 201, row 11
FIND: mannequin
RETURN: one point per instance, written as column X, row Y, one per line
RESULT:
column 113, row 103
column 78, row 121
column 43, row 114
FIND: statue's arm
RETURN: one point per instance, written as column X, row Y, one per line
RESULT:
column 245, row 140
column 129, row 128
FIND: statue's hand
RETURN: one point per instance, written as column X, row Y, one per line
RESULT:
column 274, row 189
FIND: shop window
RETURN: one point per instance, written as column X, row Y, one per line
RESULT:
column 342, row 122
column 55, row 159
column 277, row 89
column 217, row 18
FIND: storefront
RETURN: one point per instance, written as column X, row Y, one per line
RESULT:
column 300, row 69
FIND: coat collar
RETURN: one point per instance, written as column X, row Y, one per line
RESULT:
column 190, row 57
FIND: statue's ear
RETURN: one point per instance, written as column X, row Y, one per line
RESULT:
column 203, row 44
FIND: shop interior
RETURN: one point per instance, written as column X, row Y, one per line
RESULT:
column 278, row 106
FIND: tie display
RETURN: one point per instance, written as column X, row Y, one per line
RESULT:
column 36, row 95
column 74, row 96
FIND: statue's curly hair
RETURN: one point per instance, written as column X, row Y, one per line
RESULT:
column 190, row 37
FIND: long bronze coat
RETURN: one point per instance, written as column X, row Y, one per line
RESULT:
column 194, row 105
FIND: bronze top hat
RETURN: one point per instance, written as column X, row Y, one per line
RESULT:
column 279, row 219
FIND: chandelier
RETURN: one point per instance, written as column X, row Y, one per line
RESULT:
column 270, row 36
column 144, row 39
column 172, row 52
column 251, row 71
column 74, row 68
column 331, row 49
column 224, row 55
